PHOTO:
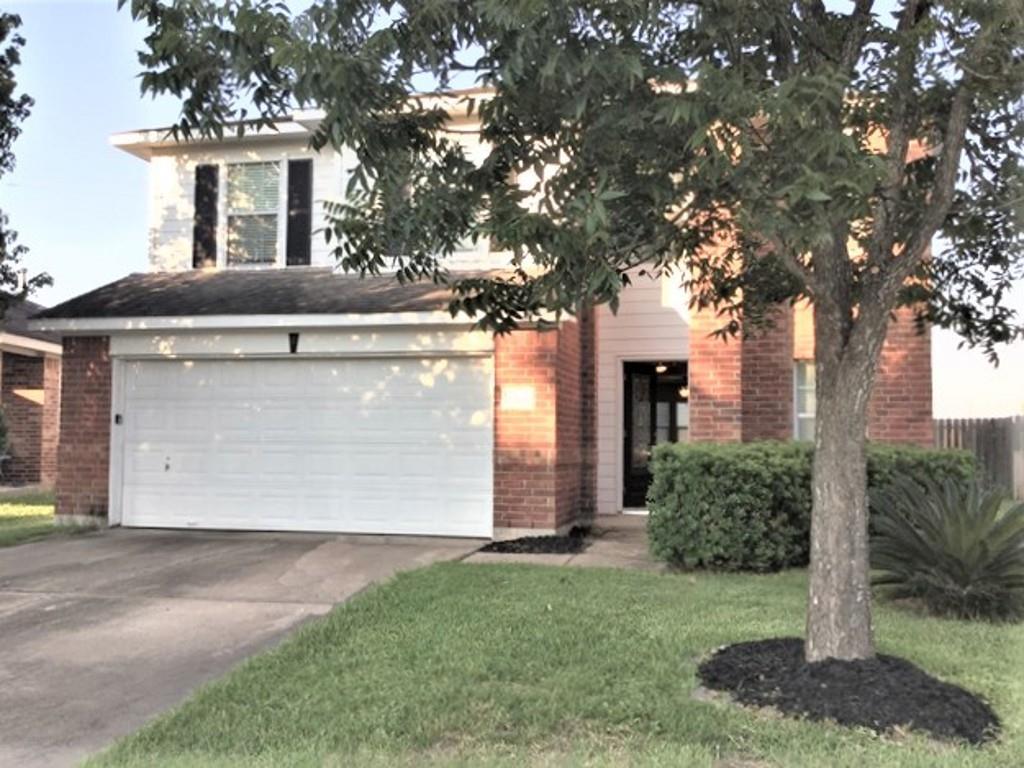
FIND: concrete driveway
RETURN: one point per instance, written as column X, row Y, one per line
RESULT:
column 101, row 632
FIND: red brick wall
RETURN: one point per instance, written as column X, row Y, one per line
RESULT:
column 28, row 404
column 900, row 410
column 715, row 378
column 588, row 414
column 545, row 451
column 568, row 425
column 83, row 457
column 524, row 432
column 768, row 380
column 743, row 389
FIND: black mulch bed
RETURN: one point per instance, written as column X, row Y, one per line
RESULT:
column 571, row 543
column 881, row 693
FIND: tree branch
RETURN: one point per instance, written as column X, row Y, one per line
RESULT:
column 943, row 189
column 859, row 21
column 795, row 266
column 897, row 139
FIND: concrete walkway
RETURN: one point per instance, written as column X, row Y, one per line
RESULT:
column 103, row 631
column 618, row 541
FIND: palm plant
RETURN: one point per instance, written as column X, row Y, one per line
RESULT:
column 957, row 548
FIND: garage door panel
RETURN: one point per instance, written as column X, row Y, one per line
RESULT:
column 374, row 446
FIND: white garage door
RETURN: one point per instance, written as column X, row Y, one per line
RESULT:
column 356, row 445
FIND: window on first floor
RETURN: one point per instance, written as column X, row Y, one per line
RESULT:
column 252, row 209
column 804, row 399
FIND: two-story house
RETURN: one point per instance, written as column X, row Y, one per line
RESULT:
column 244, row 383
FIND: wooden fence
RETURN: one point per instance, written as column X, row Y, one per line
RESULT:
column 998, row 444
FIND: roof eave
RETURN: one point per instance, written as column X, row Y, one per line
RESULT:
column 27, row 345
column 302, row 122
column 85, row 326
column 144, row 142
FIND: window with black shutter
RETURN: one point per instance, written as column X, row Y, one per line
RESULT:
column 204, row 226
column 300, row 212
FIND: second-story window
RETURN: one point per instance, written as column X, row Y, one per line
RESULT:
column 252, row 211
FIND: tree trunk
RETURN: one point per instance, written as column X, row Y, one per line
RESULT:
column 839, row 599
column 839, row 602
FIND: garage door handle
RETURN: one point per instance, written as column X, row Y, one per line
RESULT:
column 118, row 419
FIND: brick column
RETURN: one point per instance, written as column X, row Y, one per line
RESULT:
column 525, row 432
column 575, row 422
column 83, row 457
column 715, row 380
column 768, row 380
column 588, row 414
column 900, row 410
column 544, row 450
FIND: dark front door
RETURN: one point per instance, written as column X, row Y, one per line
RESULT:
column 656, row 411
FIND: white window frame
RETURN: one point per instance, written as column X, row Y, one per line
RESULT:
column 797, row 415
column 281, row 213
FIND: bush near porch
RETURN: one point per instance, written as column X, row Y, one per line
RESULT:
column 747, row 506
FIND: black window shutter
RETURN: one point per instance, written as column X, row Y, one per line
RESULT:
column 300, row 212
column 204, row 226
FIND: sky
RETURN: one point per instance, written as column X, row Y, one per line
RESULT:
column 80, row 205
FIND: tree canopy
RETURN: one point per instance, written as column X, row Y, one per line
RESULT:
column 14, row 109
column 650, row 130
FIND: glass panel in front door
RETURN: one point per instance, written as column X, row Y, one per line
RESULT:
column 640, row 413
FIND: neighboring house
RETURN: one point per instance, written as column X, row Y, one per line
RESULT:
column 242, row 383
column 29, row 397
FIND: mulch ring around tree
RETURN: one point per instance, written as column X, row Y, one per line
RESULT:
column 571, row 543
column 885, row 694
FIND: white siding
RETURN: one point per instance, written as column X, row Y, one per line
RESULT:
column 652, row 324
column 370, row 341
column 172, row 190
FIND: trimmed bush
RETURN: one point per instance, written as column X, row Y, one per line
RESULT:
column 958, row 549
column 747, row 506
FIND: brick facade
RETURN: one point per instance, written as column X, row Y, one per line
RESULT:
column 83, row 457
column 30, row 396
column 901, row 402
column 742, row 389
column 545, row 443
column 545, row 451
column 588, row 415
column 715, row 373
column 767, row 359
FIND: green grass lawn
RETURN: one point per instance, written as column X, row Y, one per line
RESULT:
column 24, row 517
column 510, row 665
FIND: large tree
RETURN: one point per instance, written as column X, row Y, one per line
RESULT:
column 14, row 108
column 768, row 151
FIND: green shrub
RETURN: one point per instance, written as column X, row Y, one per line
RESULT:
column 956, row 548
column 888, row 463
column 747, row 506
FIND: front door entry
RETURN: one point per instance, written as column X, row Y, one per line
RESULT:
column 656, row 411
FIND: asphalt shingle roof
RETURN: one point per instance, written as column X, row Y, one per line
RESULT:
column 295, row 290
column 15, row 321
